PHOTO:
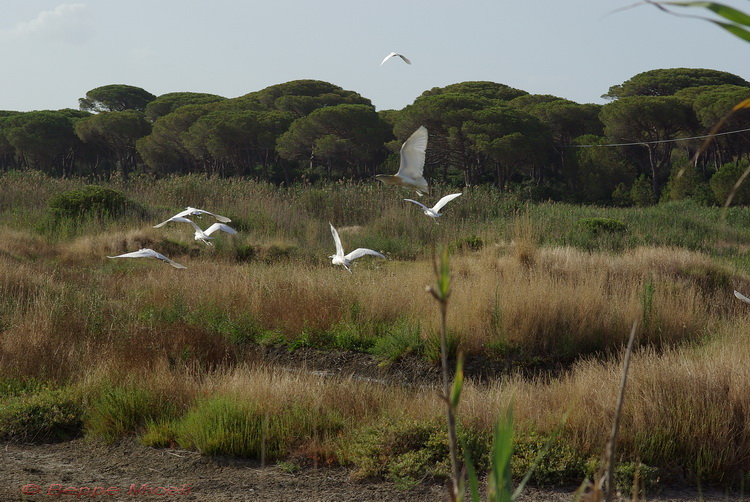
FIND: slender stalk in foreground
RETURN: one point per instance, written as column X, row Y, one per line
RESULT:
column 441, row 292
column 609, row 453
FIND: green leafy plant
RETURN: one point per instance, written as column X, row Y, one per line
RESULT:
column 406, row 451
column 45, row 415
column 441, row 292
column 599, row 225
column 636, row 478
column 396, row 341
column 229, row 425
column 91, row 200
column 642, row 192
column 121, row 410
column 733, row 20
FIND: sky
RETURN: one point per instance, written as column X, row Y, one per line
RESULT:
column 52, row 52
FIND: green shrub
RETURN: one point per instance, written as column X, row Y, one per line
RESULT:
column 432, row 349
column 222, row 425
column 353, row 336
column 598, row 233
column 245, row 253
column 642, row 192
column 91, row 200
column 161, row 433
column 12, row 387
column 686, row 182
column 226, row 425
column 398, row 340
column 470, row 243
column 596, row 226
column 625, row 477
column 406, row 451
column 723, row 181
column 46, row 415
column 561, row 464
column 122, row 410
column 621, row 196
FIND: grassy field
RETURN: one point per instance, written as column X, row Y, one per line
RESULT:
column 106, row 348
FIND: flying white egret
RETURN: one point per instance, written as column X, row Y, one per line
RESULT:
column 433, row 212
column 742, row 297
column 191, row 211
column 393, row 55
column 410, row 171
column 204, row 235
column 149, row 253
column 345, row 260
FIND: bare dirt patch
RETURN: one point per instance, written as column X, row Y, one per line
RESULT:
column 134, row 472
column 131, row 471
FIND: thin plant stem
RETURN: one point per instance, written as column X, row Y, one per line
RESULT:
column 609, row 455
column 451, row 416
column 441, row 292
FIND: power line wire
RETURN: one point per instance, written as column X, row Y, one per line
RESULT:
column 659, row 140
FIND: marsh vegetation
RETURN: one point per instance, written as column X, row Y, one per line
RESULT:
column 544, row 294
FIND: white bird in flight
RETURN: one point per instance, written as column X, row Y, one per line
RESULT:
column 204, row 235
column 410, row 171
column 191, row 211
column 345, row 260
column 433, row 212
column 149, row 253
column 395, row 54
column 742, row 297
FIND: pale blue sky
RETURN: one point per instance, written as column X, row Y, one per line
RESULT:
column 52, row 51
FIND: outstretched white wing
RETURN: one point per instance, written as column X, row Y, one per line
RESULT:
column 742, row 297
column 406, row 60
column 149, row 253
column 413, row 153
column 418, row 203
column 219, row 226
column 181, row 219
column 189, row 211
column 394, row 54
column 159, row 225
column 444, row 201
column 360, row 252
column 141, row 253
column 337, row 240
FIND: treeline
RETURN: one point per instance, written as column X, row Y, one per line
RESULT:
column 627, row 151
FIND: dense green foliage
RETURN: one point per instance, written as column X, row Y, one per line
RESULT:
column 90, row 200
column 407, row 451
column 42, row 414
column 480, row 133
column 116, row 98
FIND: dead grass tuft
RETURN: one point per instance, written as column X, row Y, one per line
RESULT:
column 92, row 247
column 24, row 246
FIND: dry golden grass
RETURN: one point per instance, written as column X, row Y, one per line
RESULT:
column 85, row 249
column 563, row 303
column 686, row 406
column 23, row 246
